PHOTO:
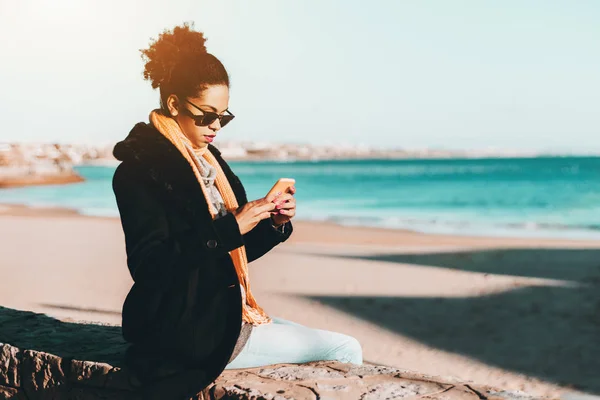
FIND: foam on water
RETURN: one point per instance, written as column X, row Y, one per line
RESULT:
column 543, row 197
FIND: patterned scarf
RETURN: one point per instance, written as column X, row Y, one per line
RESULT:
column 251, row 311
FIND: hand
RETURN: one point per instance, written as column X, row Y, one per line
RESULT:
column 285, row 207
column 251, row 213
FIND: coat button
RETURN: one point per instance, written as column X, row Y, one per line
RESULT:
column 211, row 244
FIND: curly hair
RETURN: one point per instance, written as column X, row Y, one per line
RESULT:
column 178, row 63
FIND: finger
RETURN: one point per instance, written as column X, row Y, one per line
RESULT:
column 283, row 198
column 264, row 215
column 263, row 202
column 293, row 190
column 268, row 206
column 286, row 215
column 287, row 206
column 272, row 197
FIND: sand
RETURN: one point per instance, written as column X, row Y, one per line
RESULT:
column 514, row 313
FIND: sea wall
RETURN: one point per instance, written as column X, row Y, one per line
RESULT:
column 44, row 358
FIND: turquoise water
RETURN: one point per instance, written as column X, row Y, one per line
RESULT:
column 542, row 197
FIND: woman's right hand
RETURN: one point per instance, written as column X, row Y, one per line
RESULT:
column 251, row 213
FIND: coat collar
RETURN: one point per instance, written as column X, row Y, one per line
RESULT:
column 152, row 153
column 146, row 145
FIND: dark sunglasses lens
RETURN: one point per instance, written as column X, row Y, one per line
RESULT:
column 226, row 119
column 206, row 119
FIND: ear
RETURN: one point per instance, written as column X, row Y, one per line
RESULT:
column 173, row 105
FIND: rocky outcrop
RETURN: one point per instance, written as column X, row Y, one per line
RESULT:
column 22, row 165
column 332, row 380
column 43, row 358
column 62, row 178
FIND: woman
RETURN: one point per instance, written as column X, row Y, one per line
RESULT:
column 190, row 233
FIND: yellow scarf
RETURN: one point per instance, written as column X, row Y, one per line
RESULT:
column 251, row 311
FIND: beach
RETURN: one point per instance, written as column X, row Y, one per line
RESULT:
column 515, row 313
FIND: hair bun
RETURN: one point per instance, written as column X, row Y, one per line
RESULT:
column 175, row 47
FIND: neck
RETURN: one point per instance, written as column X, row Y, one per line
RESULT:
column 198, row 149
column 169, row 126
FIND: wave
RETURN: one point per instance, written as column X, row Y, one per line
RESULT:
column 454, row 225
column 469, row 227
column 542, row 197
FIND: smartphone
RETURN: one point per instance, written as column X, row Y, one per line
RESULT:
column 282, row 185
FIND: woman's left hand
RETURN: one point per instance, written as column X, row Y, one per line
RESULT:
column 286, row 207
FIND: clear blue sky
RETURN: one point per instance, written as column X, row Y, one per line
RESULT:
column 450, row 74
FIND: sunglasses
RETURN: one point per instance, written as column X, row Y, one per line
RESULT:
column 207, row 117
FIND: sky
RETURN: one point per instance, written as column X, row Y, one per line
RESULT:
column 511, row 75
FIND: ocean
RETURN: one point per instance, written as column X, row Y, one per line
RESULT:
column 520, row 197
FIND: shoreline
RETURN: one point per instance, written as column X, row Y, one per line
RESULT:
column 473, row 230
column 355, row 234
column 520, row 213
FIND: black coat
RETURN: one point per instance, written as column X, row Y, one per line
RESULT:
column 185, row 304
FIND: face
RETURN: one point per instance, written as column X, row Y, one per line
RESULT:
column 214, row 99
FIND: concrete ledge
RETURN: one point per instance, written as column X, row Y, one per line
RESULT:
column 51, row 359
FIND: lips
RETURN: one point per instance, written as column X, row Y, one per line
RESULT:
column 210, row 138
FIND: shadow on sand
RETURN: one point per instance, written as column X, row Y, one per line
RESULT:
column 550, row 332
column 32, row 331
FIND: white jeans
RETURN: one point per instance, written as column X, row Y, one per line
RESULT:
column 284, row 341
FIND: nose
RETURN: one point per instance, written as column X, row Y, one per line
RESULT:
column 215, row 125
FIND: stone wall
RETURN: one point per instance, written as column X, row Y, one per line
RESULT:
column 44, row 358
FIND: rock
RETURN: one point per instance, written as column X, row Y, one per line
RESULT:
column 61, row 178
column 51, row 359
column 332, row 380
column 91, row 373
column 9, row 366
column 11, row 393
column 41, row 373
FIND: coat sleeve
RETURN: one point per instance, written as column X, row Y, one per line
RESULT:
column 260, row 240
column 263, row 237
column 154, row 255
